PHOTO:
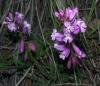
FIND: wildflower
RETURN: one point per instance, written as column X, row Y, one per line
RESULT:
column 81, row 24
column 11, row 26
column 78, row 51
column 72, row 62
column 68, row 38
column 16, row 22
column 64, row 41
column 68, row 28
column 26, row 27
column 21, row 46
column 64, row 54
column 76, row 29
column 9, row 18
column 31, row 46
column 19, row 17
column 59, row 47
column 56, row 36
column 60, row 15
column 70, row 13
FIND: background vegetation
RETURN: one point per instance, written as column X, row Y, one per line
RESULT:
column 45, row 69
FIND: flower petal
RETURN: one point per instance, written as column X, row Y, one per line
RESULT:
column 64, row 54
column 31, row 46
column 57, row 36
column 78, row 51
column 59, row 47
column 21, row 46
column 70, row 13
column 68, row 38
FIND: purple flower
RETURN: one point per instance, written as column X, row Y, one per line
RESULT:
column 16, row 22
column 71, row 28
column 57, row 36
column 21, row 46
column 79, row 53
column 31, row 46
column 11, row 26
column 64, row 41
column 18, row 17
column 9, row 18
column 9, row 23
column 68, row 27
column 71, row 13
column 68, row 38
column 60, row 15
column 75, row 29
column 59, row 47
column 81, row 25
column 26, row 27
column 72, row 62
column 64, row 54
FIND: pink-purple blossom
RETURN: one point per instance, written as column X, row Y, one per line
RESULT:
column 57, row 36
column 64, row 54
column 79, row 53
column 31, row 46
column 68, row 38
column 19, row 17
column 70, row 13
column 26, row 27
column 66, row 15
column 16, row 22
column 11, row 26
column 21, row 46
column 59, row 47
column 64, row 40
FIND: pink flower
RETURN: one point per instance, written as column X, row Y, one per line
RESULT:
column 81, row 25
column 9, row 18
column 68, row 27
column 64, row 41
column 11, row 26
column 18, row 17
column 59, row 47
column 21, row 46
column 57, row 36
column 60, row 15
column 71, row 28
column 26, row 27
column 64, row 54
column 68, row 38
column 70, row 13
column 75, row 29
column 79, row 53
column 31, row 46
column 72, row 62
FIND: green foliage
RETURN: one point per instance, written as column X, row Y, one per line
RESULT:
column 48, row 70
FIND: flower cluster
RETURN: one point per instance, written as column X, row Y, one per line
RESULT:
column 64, row 41
column 24, row 47
column 15, row 22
